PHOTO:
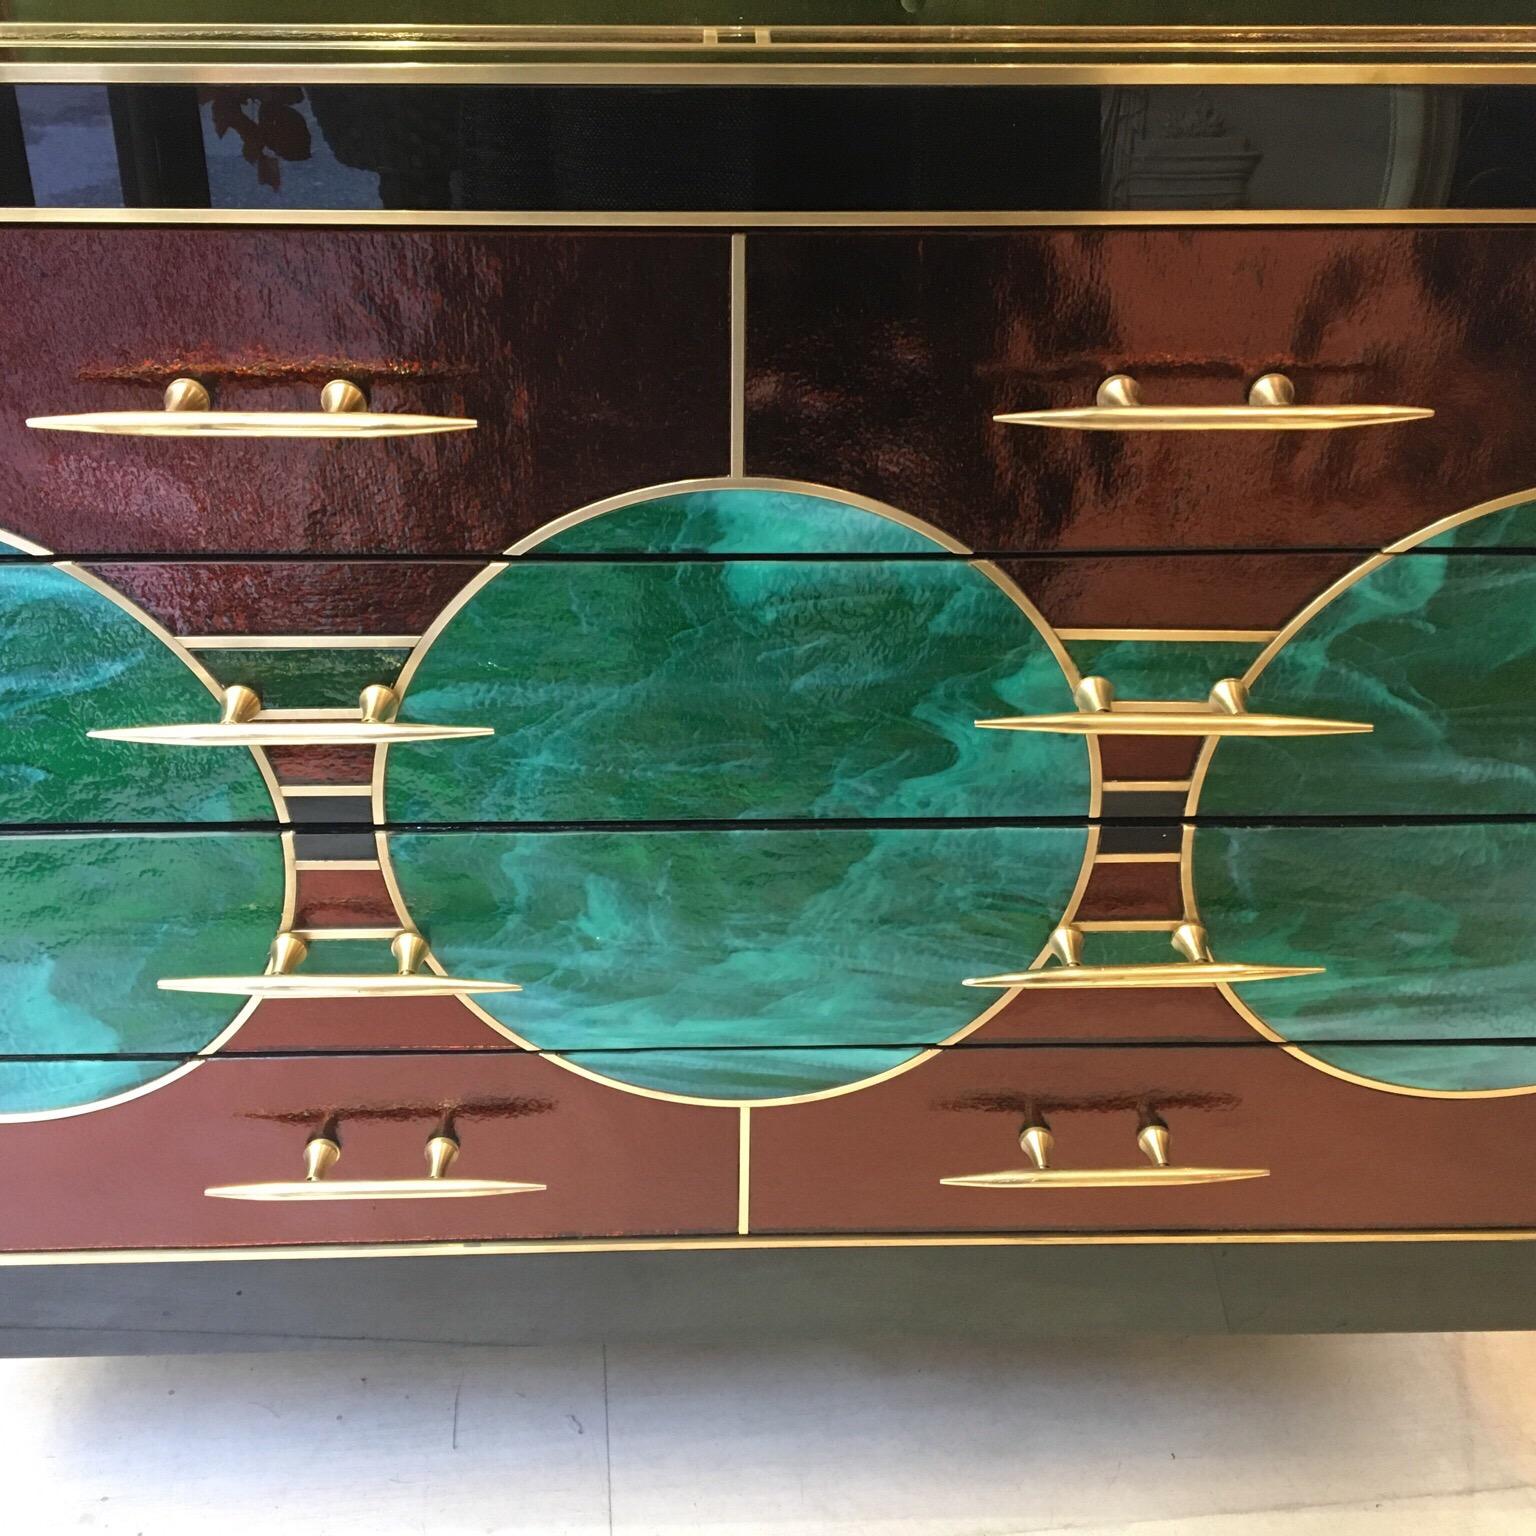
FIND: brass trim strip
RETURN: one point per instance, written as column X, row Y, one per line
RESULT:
column 1144, row 786
column 1199, row 636
column 299, row 643
column 466, row 1249
column 718, row 219
column 351, row 864
column 738, row 327
column 324, row 791
column 744, row 1172
column 310, row 935
column 1138, row 858
column 1127, row 924
column 734, row 70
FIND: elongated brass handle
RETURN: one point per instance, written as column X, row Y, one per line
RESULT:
column 1197, row 968
column 1224, row 713
column 283, row 979
column 1158, row 1171
column 241, row 723
column 321, row 1154
column 1119, row 407
column 189, row 412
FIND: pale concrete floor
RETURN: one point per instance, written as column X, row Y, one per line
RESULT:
column 902, row 1436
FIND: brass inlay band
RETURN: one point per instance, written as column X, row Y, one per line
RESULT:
column 1197, row 969
column 189, row 412
column 243, row 723
column 282, row 978
column 1225, row 714
column 1199, row 636
column 712, row 218
column 325, row 791
column 1119, row 407
column 322, row 1152
column 1152, row 1139
column 299, row 642
column 1138, row 858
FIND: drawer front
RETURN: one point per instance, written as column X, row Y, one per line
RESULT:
column 878, row 361
column 592, row 364
column 1256, row 1142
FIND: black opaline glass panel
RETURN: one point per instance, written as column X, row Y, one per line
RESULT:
column 901, row 148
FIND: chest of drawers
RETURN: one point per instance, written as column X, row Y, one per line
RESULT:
column 675, row 720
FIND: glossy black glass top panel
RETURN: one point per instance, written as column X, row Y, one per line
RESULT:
column 925, row 148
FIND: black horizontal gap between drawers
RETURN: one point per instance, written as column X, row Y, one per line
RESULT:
column 761, row 824
column 479, row 558
column 1041, row 1043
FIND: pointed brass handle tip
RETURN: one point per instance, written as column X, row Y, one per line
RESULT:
column 242, row 724
column 1153, row 1141
column 1196, row 967
column 1224, row 713
column 188, row 412
column 1119, row 406
column 283, row 979
column 321, row 1154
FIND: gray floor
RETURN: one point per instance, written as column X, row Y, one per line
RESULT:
column 949, row 1392
column 912, row 1435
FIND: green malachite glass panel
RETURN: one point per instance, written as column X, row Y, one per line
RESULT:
column 741, row 522
column 846, row 947
column 746, row 688
column 1512, row 526
column 315, row 678
column 1424, row 931
column 90, row 922
column 1162, row 669
column 72, row 660
column 1438, row 652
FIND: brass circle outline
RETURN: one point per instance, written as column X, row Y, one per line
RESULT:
column 1283, row 637
column 759, row 483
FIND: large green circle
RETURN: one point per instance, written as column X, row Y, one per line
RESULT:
column 90, row 920
column 742, row 964
column 1424, row 930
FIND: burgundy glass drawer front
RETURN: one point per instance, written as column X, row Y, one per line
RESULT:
column 592, row 363
column 878, row 361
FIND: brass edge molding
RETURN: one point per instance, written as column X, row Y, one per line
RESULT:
column 728, row 221
column 1076, row 67
column 1283, row 637
column 469, row 1248
column 325, row 791
column 740, row 482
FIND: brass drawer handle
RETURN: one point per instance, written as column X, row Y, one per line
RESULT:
column 282, row 978
column 1154, row 1141
column 1197, row 969
column 321, row 1154
column 242, row 724
column 189, row 412
column 1271, row 407
column 1225, row 713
